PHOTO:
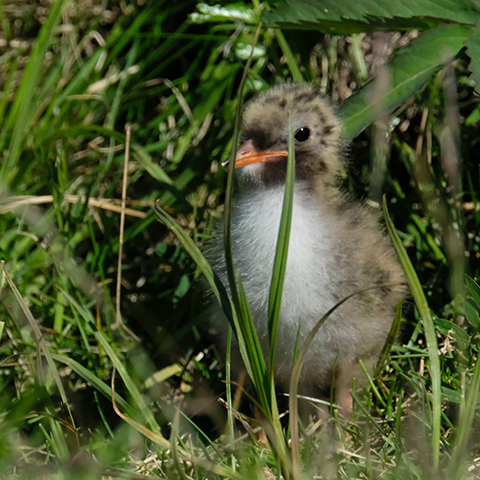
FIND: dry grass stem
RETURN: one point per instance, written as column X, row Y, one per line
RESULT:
column 9, row 204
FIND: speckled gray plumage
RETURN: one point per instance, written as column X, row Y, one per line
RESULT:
column 336, row 246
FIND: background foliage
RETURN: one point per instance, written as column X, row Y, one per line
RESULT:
column 75, row 75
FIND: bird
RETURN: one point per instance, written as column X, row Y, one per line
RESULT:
column 337, row 246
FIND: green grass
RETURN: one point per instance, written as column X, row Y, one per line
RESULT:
column 73, row 81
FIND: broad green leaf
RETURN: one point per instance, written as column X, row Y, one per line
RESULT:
column 473, row 289
column 411, row 68
column 450, row 395
column 430, row 334
column 472, row 315
column 224, row 13
column 146, row 161
column 352, row 16
column 446, row 326
column 473, row 51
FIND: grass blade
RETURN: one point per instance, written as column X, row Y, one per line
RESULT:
column 293, row 391
column 190, row 247
column 252, row 353
column 430, row 334
column 129, row 383
column 392, row 336
column 229, row 191
column 21, row 112
column 117, row 363
column 230, row 422
column 297, row 368
column 158, row 438
column 291, row 61
column 467, row 406
column 282, row 42
column 281, row 253
column 37, row 335
column 240, row 320
column 465, row 426
column 87, row 375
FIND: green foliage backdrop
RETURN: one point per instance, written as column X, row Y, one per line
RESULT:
column 77, row 75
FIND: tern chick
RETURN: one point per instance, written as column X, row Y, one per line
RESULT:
column 337, row 246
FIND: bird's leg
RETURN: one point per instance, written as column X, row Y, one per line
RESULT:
column 345, row 402
column 242, row 376
column 351, row 375
column 261, row 435
column 345, row 380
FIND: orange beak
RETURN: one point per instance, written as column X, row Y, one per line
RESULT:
column 248, row 154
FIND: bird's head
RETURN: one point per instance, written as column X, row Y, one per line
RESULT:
column 262, row 155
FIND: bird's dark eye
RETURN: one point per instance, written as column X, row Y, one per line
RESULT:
column 302, row 134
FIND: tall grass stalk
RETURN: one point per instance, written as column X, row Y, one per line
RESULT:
column 281, row 253
column 22, row 113
column 229, row 189
column 427, row 321
column 245, row 329
column 40, row 341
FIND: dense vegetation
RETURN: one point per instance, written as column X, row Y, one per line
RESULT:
column 86, row 85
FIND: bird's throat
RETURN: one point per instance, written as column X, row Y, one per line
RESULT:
column 255, row 225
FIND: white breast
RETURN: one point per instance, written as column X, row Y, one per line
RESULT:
column 310, row 278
